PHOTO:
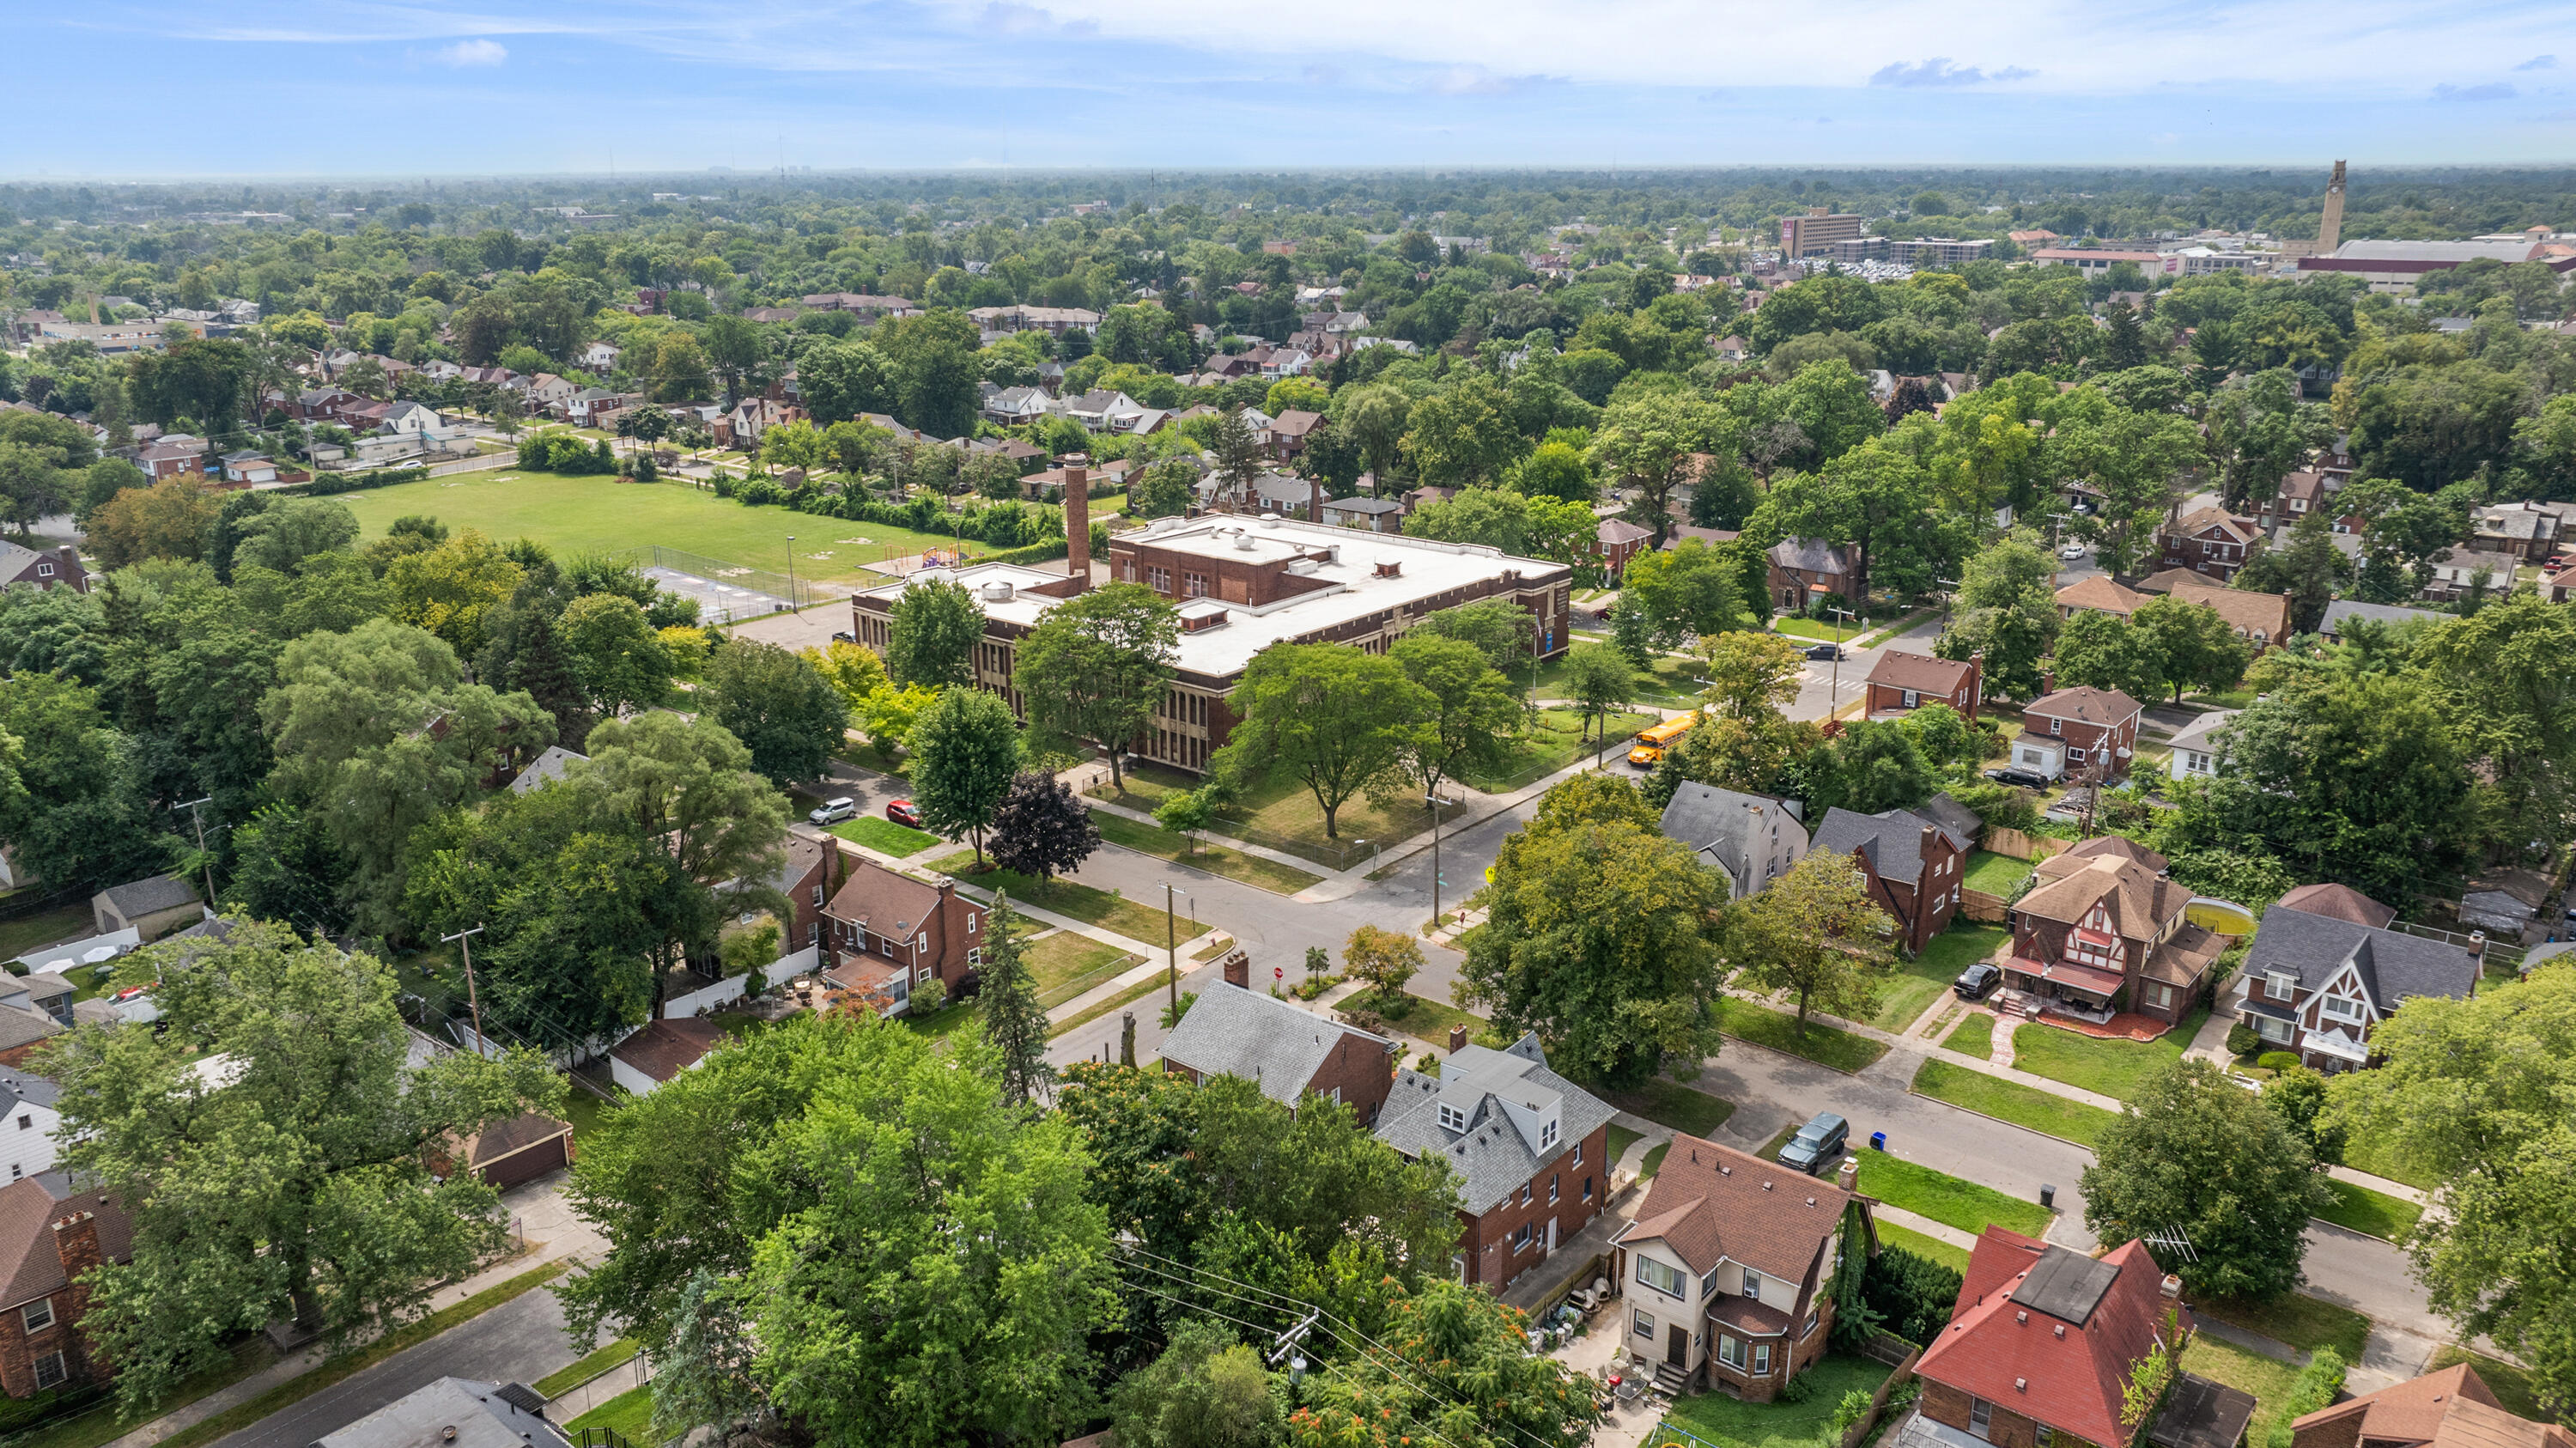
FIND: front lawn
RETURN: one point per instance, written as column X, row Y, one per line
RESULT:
column 1891, row 1235
column 2367, row 1154
column 1996, row 875
column 1668, row 680
column 1110, row 912
column 1722, row 1419
column 1205, row 855
column 2266, row 1378
column 1667, row 1102
column 885, row 836
column 1975, row 1037
column 2303, row 1322
column 1946, row 1199
column 1420, row 1017
column 1820, row 1043
column 629, row 1415
column 1129, row 996
column 1064, row 965
column 1918, row 982
column 2011, row 1101
column 2375, row 1213
column 1808, row 628
column 2119, row 1069
column 1620, row 1138
column 1281, row 813
column 1560, row 737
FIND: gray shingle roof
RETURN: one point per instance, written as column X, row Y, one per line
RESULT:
column 1813, row 555
column 481, row 1414
column 150, row 896
column 17, row 1086
column 551, row 765
column 1719, row 826
column 1504, row 1096
column 2392, row 965
column 1956, row 820
column 2344, row 608
column 1892, row 840
column 1231, row 1031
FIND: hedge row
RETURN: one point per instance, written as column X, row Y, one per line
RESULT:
column 325, row 484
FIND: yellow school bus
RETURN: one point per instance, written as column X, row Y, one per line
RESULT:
column 1652, row 743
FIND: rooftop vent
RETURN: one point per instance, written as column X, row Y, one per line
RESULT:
column 2021, row 1385
column 1389, row 567
column 1302, row 566
column 2061, row 1329
column 1243, row 540
column 997, row 591
column 1270, row 520
column 2021, row 1317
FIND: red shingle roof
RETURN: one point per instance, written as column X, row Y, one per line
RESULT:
column 2067, row 1374
column 1921, row 673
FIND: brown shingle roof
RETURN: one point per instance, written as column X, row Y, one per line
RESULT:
column 664, row 1049
column 2141, row 902
column 2170, row 579
column 2099, row 593
column 2247, row 612
column 2452, row 1408
column 1712, row 1201
column 888, row 902
column 2338, row 902
column 1921, row 673
column 2200, row 520
column 2084, row 704
column 28, row 1210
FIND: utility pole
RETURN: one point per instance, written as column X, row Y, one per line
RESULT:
column 1171, row 947
column 791, row 573
column 472, row 1002
column 1949, row 594
column 1834, row 697
column 197, row 808
column 1434, row 800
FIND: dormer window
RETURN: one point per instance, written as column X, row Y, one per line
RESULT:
column 2279, row 984
column 1451, row 1118
column 1547, row 1135
column 2342, row 1008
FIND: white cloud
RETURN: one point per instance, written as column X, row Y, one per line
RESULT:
column 1940, row 71
column 2539, row 62
column 474, row 52
column 2492, row 91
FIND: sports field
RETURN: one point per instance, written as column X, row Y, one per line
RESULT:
column 594, row 514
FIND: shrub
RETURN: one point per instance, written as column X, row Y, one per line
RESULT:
column 2243, row 1040
column 1912, row 1295
column 2317, row 1386
column 2278, row 1060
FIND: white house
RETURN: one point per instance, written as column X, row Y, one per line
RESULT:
column 2195, row 746
column 28, row 1122
column 599, row 357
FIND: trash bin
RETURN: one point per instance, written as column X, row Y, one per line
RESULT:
column 2048, row 1194
column 1878, row 1141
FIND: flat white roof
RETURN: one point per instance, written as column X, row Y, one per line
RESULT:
column 1352, row 590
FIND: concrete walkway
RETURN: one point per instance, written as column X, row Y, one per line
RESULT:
column 1916, row 1222
column 580, row 1398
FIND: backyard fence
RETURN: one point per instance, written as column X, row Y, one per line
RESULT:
column 798, row 592
column 2022, row 846
column 1983, row 908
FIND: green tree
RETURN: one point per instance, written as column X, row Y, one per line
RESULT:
column 1879, row 501
column 1015, row 1024
column 286, row 533
column 1645, row 444
column 2098, row 650
column 1556, row 470
column 844, row 379
column 782, row 709
column 1871, row 766
column 1327, row 715
column 1187, row 814
column 2193, row 1154
column 447, row 590
column 300, row 1187
column 1600, row 681
column 1383, row 958
column 2309, row 568
column 1205, row 1391
column 2193, row 647
column 1446, row 1345
column 1600, row 937
column 1503, row 631
column 1816, row 933
column 2006, row 611
column 2299, row 1097
column 932, row 633
column 1463, row 436
column 1473, row 718
column 1098, row 666
column 1685, row 591
column 2502, row 676
column 966, row 749
column 616, row 655
column 1163, row 490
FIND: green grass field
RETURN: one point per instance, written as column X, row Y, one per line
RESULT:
column 554, row 1384
column 1134, row 993
column 1420, row 1017
column 1130, row 918
column 1620, row 1137
column 1064, row 965
column 1561, row 737
column 1216, row 859
column 1946, row 1199
column 597, row 514
column 1721, row 1419
column 885, row 836
column 1654, row 1161
column 1820, row 1043
column 629, row 1415
column 2119, row 1069
column 1281, row 813
column 1916, row 983
column 26, row 933
column 2303, row 1322
column 1808, row 628
column 2266, row 1378
column 1974, row 1037
column 1667, row 1102
column 2364, row 1210
column 1996, row 874
column 1954, row 1258
column 2011, row 1101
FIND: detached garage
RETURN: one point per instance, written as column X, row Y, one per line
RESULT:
column 520, row 1150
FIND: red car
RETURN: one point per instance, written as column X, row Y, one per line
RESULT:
column 901, row 812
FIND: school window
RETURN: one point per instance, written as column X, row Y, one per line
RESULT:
column 38, row 1315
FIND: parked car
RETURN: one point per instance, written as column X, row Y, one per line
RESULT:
column 1978, row 981
column 901, row 812
column 835, row 810
column 1825, row 653
column 2012, row 774
column 1818, row 1144
column 2071, row 552
column 845, row 637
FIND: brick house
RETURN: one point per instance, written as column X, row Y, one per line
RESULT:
column 2532, row 530
column 1290, row 430
column 1913, row 865
column 50, row 1234
column 805, row 879
column 2072, row 731
column 2103, row 930
column 1530, row 1150
column 1614, row 543
column 1728, row 1269
column 1234, row 1030
column 2041, row 1343
column 1805, row 568
column 887, row 932
column 2451, row 1408
column 1901, row 682
column 2207, row 541
column 2318, row 982
column 56, row 567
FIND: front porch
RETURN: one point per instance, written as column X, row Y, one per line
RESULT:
column 2084, row 994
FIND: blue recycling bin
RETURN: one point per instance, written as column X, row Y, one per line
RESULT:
column 1878, row 1141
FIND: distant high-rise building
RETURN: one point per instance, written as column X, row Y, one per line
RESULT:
column 1815, row 233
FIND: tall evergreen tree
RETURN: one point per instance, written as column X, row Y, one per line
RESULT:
column 1015, row 1024
column 546, row 675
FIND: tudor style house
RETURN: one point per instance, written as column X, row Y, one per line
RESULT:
column 1529, row 1148
column 2318, row 981
column 1234, row 1030
column 2040, row 1346
column 1913, row 864
column 886, row 932
column 1901, row 682
column 1805, row 568
column 1754, row 838
column 1729, row 1268
column 2076, row 731
column 2102, row 931
column 2209, row 542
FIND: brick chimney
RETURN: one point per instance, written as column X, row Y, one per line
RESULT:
column 76, row 1244
column 1077, row 528
column 1238, row 970
column 1315, row 505
column 1848, row 1178
column 1458, row 1038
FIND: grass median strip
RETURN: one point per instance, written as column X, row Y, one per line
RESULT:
column 1110, row 912
column 615, row 1354
column 2011, row 1101
column 885, row 836
column 1667, row 1102
column 1214, row 858
column 1825, row 1045
column 356, row 1360
column 1946, row 1199
column 2375, row 1213
column 1129, row 996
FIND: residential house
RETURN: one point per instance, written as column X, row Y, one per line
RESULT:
column 2195, row 745
column 454, row 1413
column 2319, row 984
column 45, row 992
column 1912, row 865
column 1804, row 569
column 1290, row 430
column 2467, row 571
column 1105, row 411
column 248, row 467
column 660, row 1051
column 2207, row 540
column 2339, row 902
column 545, row 392
column 888, row 933
column 55, row 567
column 584, row 408
column 521, row 1149
column 176, row 456
column 1008, row 406
column 2301, row 496
column 1376, row 515
column 323, row 404
column 2532, row 530
column 2262, row 619
column 2451, row 1407
column 28, row 1119
column 1234, row 1030
column 1754, row 838
column 2099, row 593
column 2042, row 1345
column 2165, row 580
column 1900, row 683
column 2506, row 903
column 1614, row 542
column 750, row 418
column 154, row 906
column 2079, row 731
column 599, row 358
column 804, row 879
column 2103, row 930
column 52, row 1233
column 23, row 1031
column 2344, row 610
column 1529, row 1148
column 769, row 314
column 1728, row 1269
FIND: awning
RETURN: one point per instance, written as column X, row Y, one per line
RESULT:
column 2093, row 937
column 2089, row 979
column 2337, row 1045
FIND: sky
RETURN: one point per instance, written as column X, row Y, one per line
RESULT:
column 345, row 88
